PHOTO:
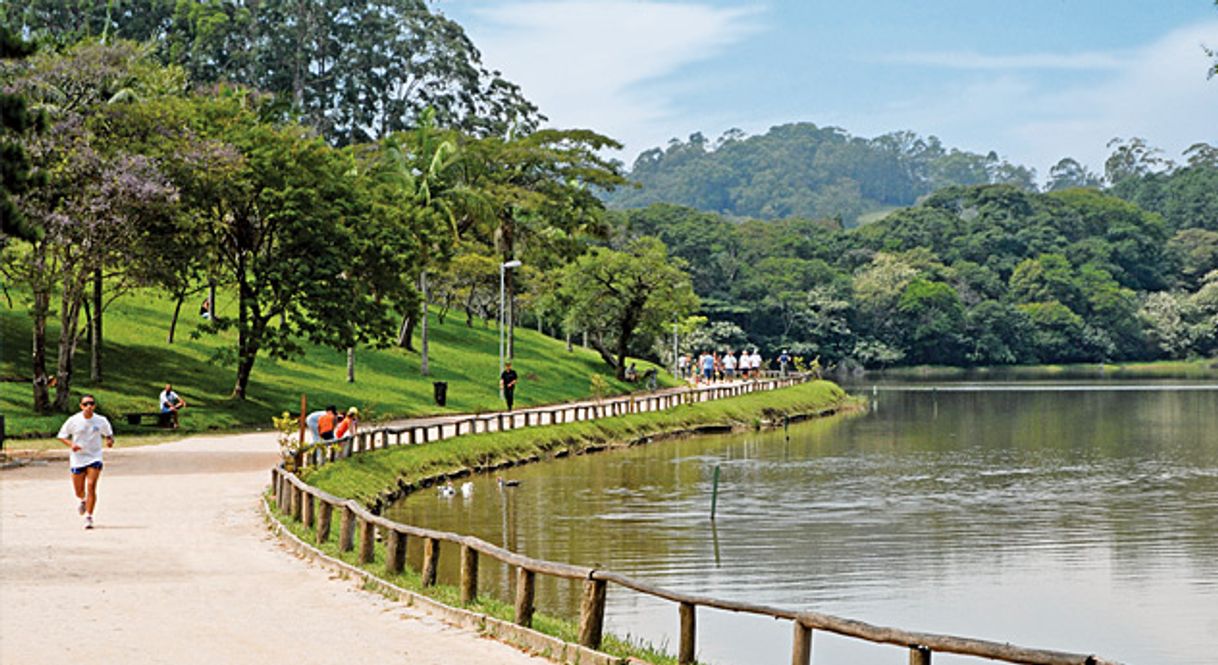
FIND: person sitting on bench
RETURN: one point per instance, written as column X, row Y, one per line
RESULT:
column 171, row 403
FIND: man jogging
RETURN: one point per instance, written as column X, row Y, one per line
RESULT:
column 84, row 433
column 507, row 383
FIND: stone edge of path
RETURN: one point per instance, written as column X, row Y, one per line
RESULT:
column 527, row 639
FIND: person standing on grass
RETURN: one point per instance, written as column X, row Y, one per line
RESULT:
column 507, row 383
column 171, row 403
column 84, row 433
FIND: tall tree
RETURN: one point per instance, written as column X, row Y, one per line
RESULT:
column 356, row 70
column 283, row 224
column 544, row 189
column 621, row 295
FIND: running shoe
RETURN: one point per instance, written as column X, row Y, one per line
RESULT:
column 88, row 521
column 81, row 508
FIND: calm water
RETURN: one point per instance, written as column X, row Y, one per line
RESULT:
column 1066, row 516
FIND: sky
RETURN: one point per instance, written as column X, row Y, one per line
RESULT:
column 1033, row 80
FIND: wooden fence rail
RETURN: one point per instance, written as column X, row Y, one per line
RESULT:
column 315, row 508
column 323, row 452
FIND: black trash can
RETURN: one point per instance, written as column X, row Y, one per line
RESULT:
column 441, row 391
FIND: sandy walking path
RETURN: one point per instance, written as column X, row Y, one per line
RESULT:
column 181, row 569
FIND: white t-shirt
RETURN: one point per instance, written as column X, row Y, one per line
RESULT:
column 168, row 399
column 86, row 433
column 755, row 360
column 729, row 361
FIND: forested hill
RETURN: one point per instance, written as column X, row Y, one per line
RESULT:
column 801, row 170
column 978, row 275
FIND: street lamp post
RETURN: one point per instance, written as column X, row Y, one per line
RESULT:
column 503, row 268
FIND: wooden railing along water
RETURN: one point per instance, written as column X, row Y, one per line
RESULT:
column 357, row 531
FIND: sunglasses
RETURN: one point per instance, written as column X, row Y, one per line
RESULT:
column 87, row 403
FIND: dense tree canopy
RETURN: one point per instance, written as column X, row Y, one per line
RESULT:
column 801, row 170
column 353, row 69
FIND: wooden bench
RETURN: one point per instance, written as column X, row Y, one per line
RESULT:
column 161, row 419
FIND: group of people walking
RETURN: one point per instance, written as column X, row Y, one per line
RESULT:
column 710, row 366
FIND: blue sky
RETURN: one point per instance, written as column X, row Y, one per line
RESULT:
column 1035, row 80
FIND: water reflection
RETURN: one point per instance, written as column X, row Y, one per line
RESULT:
column 1082, row 520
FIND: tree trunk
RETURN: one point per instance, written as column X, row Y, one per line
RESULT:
column 69, row 322
column 249, row 332
column 569, row 349
column 539, row 331
column 607, row 355
column 423, row 366
column 41, row 306
column 95, row 330
column 585, row 339
column 173, row 323
column 406, row 333
column 350, row 364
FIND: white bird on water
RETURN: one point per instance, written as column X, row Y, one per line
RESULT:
column 467, row 489
column 447, row 490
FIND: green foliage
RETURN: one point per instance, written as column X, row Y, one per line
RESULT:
column 16, row 119
column 616, row 295
column 353, row 70
column 801, row 170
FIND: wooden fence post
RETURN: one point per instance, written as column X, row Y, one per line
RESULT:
column 323, row 521
column 395, row 552
column 346, row 530
column 592, row 614
column 307, row 512
column 685, row 655
column 297, row 503
column 525, row 581
column 919, row 656
column 367, row 540
column 801, row 650
column 431, row 561
column 469, row 574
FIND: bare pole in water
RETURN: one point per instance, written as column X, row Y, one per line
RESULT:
column 715, row 493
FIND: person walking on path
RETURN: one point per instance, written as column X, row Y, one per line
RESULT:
column 507, row 383
column 84, row 433
column 171, row 403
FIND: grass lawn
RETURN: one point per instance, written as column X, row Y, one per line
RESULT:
column 138, row 361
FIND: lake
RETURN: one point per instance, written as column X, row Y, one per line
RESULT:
column 1072, row 515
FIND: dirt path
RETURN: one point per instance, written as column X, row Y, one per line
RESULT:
column 180, row 569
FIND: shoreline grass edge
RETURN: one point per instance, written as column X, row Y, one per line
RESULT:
column 380, row 477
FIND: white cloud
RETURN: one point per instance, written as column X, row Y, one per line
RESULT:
column 1162, row 96
column 974, row 60
column 585, row 62
column 1159, row 92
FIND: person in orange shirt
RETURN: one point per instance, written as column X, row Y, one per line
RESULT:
column 349, row 424
column 325, row 424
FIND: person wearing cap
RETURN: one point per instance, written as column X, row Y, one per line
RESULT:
column 84, row 434
column 348, row 425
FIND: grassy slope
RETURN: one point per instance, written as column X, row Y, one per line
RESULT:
column 364, row 476
column 138, row 362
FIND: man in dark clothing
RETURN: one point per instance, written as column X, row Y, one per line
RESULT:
column 507, row 383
